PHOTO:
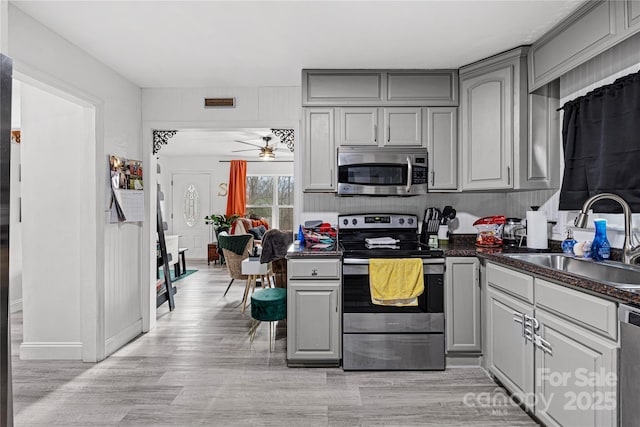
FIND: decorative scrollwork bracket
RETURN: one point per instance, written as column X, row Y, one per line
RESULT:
column 286, row 136
column 161, row 137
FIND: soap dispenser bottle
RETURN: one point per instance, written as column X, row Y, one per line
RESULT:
column 568, row 243
column 600, row 247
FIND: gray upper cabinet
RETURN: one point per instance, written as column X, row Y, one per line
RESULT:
column 403, row 126
column 379, row 87
column 594, row 28
column 486, row 126
column 538, row 156
column 358, row 126
column 422, row 88
column 341, row 87
column 319, row 150
column 509, row 139
column 462, row 305
column 442, row 142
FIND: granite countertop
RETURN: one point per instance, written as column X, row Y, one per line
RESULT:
column 301, row 251
column 465, row 246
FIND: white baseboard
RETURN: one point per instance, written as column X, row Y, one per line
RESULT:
column 51, row 351
column 15, row 306
column 464, row 361
column 123, row 337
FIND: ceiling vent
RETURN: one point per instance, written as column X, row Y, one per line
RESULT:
column 219, row 103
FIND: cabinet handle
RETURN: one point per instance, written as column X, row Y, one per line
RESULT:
column 331, row 177
column 433, row 178
column 389, row 134
column 375, row 133
column 543, row 345
column 508, row 175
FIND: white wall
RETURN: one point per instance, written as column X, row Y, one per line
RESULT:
column 51, row 213
column 43, row 55
column 15, row 225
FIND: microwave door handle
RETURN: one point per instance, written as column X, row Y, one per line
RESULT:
column 409, row 174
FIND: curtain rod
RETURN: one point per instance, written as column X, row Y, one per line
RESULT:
column 259, row 161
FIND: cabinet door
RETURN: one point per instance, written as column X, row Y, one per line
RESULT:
column 422, row 87
column 319, row 149
column 537, row 157
column 486, row 131
column 510, row 355
column 403, row 126
column 313, row 320
column 462, row 305
column 341, row 87
column 442, row 142
column 576, row 375
column 358, row 126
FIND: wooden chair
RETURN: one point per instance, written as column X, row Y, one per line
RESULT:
column 232, row 259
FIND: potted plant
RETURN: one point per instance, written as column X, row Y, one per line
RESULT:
column 220, row 222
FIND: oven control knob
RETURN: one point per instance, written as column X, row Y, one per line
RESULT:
column 401, row 221
column 354, row 221
column 410, row 220
column 345, row 221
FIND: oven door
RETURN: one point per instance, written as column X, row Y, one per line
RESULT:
column 360, row 315
column 374, row 173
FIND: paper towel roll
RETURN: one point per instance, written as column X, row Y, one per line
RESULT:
column 536, row 230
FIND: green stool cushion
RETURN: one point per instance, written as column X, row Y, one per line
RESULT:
column 269, row 304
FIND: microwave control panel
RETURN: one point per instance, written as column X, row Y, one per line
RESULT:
column 419, row 174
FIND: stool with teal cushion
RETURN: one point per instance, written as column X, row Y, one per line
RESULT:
column 268, row 305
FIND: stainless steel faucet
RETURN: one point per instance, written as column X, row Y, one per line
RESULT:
column 630, row 249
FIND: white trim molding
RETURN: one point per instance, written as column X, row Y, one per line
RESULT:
column 51, row 351
column 123, row 337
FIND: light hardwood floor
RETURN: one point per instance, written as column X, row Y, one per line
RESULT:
column 198, row 367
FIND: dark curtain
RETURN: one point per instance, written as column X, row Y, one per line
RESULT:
column 601, row 140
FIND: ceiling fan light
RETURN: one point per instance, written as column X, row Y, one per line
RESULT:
column 267, row 155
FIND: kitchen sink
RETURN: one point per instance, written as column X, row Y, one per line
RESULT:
column 613, row 273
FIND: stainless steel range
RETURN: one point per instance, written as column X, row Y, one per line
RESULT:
column 387, row 337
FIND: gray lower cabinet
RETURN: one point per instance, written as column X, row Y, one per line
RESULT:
column 313, row 312
column 509, row 354
column 557, row 352
column 462, row 305
column 577, row 375
column 319, row 150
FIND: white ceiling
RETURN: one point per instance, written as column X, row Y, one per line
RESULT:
column 267, row 43
column 210, row 43
column 222, row 143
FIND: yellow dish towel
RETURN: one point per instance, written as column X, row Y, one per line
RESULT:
column 396, row 282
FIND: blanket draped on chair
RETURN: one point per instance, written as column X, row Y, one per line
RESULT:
column 275, row 244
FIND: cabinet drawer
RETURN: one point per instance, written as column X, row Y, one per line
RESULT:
column 314, row 269
column 512, row 282
column 587, row 311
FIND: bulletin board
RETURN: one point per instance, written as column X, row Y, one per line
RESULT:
column 127, row 191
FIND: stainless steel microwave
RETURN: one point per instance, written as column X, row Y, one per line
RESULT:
column 382, row 171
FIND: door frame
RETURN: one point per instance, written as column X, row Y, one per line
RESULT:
column 92, row 223
column 148, row 256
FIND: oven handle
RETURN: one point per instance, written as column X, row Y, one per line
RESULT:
column 365, row 261
column 409, row 174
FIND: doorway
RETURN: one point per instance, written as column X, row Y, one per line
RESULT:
column 55, row 251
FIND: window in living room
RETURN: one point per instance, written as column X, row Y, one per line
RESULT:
column 271, row 197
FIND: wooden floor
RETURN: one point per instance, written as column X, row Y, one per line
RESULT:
column 198, row 367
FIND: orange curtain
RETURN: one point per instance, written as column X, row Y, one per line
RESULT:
column 237, row 195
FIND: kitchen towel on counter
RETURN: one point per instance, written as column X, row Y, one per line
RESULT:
column 537, row 230
column 396, row 282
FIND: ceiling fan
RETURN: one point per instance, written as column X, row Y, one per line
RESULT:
column 266, row 152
